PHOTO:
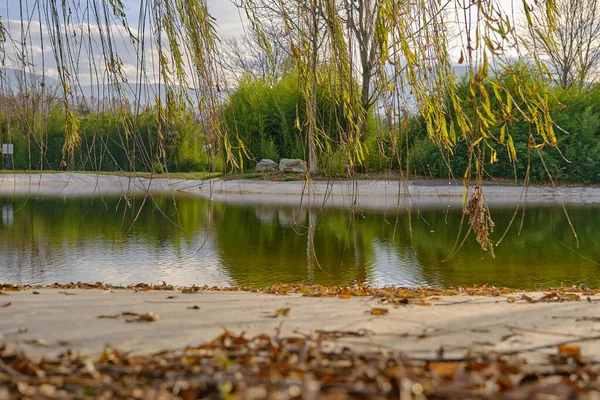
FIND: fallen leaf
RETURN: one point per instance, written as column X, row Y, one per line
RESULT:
column 588, row 319
column 12, row 288
column 34, row 292
column 191, row 290
column 3, row 294
column 280, row 312
column 193, row 308
column 527, row 298
column 511, row 299
column 569, row 350
column 509, row 336
column 379, row 311
column 549, row 297
column 444, row 370
column 402, row 301
column 64, row 342
column 6, row 305
column 344, row 296
column 170, row 297
column 484, row 343
column 149, row 317
column 37, row 342
column 133, row 317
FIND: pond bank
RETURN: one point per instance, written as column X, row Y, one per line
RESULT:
column 49, row 321
column 65, row 344
column 376, row 194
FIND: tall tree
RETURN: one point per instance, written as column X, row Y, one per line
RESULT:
column 570, row 46
column 361, row 19
column 244, row 55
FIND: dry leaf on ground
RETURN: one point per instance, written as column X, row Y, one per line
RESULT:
column 132, row 317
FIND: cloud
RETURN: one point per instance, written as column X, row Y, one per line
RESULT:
column 30, row 46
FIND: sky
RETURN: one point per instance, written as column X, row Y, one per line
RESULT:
column 41, row 59
column 224, row 11
column 227, row 17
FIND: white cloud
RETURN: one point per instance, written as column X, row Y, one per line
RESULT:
column 38, row 51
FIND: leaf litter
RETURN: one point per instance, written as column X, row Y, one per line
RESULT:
column 394, row 294
column 270, row 366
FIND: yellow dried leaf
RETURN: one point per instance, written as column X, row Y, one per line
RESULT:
column 444, row 370
column 568, row 350
column 379, row 311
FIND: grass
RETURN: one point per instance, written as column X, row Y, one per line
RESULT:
column 201, row 175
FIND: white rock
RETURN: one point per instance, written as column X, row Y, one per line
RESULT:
column 292, row 165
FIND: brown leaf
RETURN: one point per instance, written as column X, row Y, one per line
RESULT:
column 149, row 317
column 132, row 317
column 379, row 311
column 190, row 290
column 549, row 297
column 344, row 296
column 170, row 297
column 509, row 336
column 527, row 298
column 6, row 305
column 64, row 342
column 193, row 308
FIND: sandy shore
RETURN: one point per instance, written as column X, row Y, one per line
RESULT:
column 363, row 193
column 53, row 320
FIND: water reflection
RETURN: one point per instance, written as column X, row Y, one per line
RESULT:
column 187, row 240
column 7, row 214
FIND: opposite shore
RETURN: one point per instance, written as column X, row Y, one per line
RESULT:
column 375, row 194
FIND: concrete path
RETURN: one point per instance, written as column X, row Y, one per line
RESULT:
column 53, row 320
column 363, row 193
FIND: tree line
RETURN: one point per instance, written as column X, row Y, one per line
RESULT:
column 263, row 113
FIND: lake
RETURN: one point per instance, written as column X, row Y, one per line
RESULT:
column 187, row 240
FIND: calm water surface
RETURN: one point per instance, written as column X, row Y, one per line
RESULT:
column 186, row 241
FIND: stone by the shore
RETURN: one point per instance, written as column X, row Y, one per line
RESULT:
column 292, row 165
column 267, row 165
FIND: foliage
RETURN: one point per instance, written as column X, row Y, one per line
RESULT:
column 574, row 159
column 266, row 119
column 103, row 145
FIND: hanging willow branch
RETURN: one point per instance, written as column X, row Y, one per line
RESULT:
column 391, row 56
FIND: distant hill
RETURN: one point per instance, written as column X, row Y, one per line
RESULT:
column 145, row 93
column 16, row 81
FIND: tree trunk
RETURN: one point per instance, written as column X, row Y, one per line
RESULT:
column 313, row 167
